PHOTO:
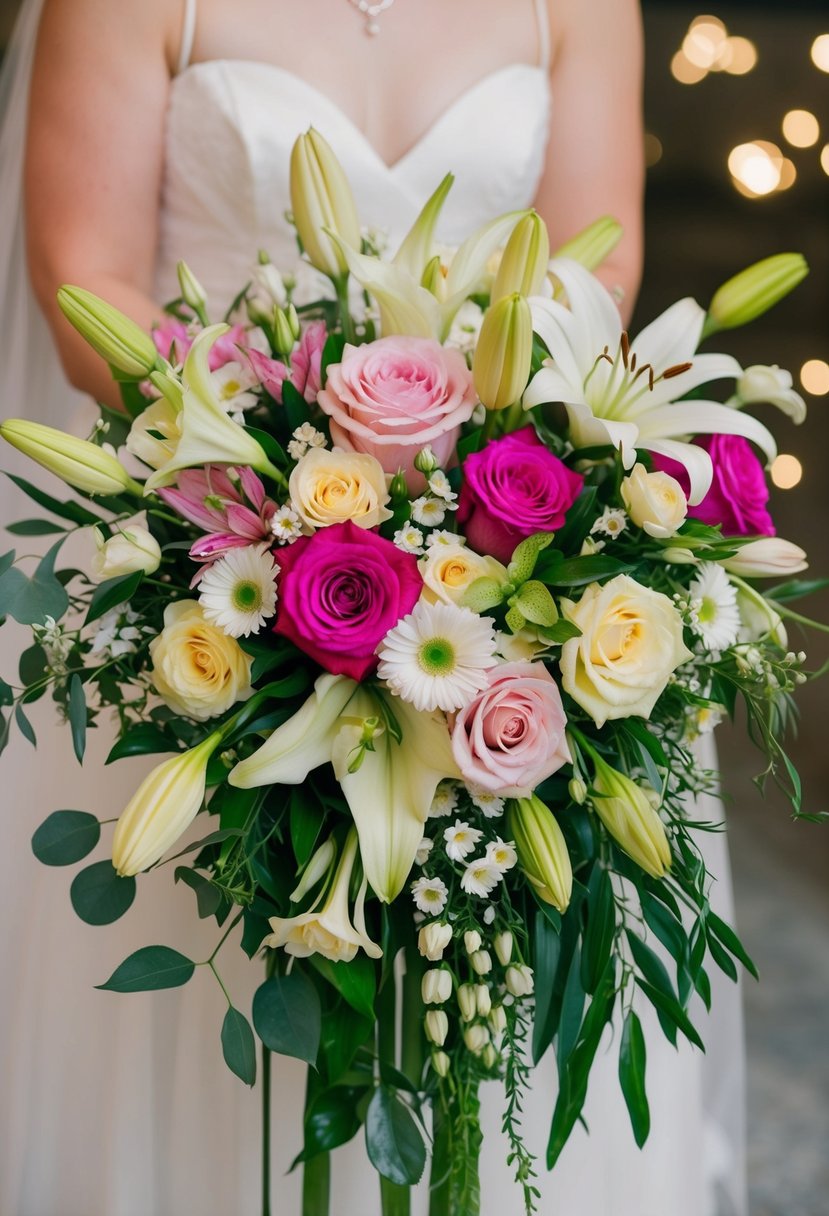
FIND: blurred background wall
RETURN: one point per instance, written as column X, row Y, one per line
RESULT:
column 737, row 115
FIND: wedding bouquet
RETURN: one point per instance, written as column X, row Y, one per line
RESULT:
column 427, row 586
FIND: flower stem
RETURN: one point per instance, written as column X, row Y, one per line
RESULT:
column 316, row 1171
column 395, row 1200
column 341, row 285
column 266, row 1131
column 440, row 1192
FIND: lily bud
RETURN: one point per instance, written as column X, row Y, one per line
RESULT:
column 76, row 461
column 519, row 980
column 315, row 871
column 497, row 1019
column 127, row 551
column 483, row 1000
column 542, row 851
column 481, row 962
column 472, row 941
column 503, row 947
column 467, row 1002
column 440, row 1063
column 283, row 333
column 770, row 557
column 108, row 331
column 626, row 811
column 164, row 805
column 524, row 260
column 577, row 791
column 293, row 321
column 501, row 363
column 321, row 198
column 476, row 1038
column 192, row 291
column 436, row 986
column 436, row 1026
column 754, row 291
column 433, row 939
column 594, row 243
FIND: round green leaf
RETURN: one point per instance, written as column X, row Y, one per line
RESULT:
column 287, row 1016
column 395, row 1146
column 66, row 837
column 239, row 1046
column 150, row 968
column 99, row 895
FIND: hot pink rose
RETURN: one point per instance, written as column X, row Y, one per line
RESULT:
column 512, row 488
column 391, row 397
column 340, row 592
column 511, row 737
column 739, row 491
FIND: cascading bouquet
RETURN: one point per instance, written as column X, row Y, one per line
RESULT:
column 429, row 623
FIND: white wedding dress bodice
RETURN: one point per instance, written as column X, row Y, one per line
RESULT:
column 121, row 1105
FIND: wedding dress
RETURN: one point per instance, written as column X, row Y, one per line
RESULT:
column 121, row 1105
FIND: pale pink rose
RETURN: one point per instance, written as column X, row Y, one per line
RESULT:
column 511, row 737
column 391, row 397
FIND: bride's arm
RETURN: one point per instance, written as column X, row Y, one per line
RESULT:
column 595, row 155
column 94, row 161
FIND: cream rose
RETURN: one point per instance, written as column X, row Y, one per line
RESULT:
column 448, row 570
column 131, row 548
column 333, row 487
column 631, row 642
column 654, row 501
column 197, row 669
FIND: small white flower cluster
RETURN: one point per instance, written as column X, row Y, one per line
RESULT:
column 305, row 437
column 776, row 677
column 286, row 524
column 117, row 633
column 56, row 642
column 411, row 540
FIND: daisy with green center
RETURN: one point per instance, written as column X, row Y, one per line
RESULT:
column 461, row 840
column 481, row 877
column 430, row 895
column 430, row 512
column 238, row 592
column 502, row 854
column 437, row 657
column 715, row 618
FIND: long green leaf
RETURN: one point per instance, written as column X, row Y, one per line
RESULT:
column 150, row 968
column 632, row 1059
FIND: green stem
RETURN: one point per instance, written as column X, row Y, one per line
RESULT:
column 341, row 285
column 490, row 423
column 395, row 1200
column 316, row 1185
column 412, row 1047
column 266, row 1131
column 440, row 1192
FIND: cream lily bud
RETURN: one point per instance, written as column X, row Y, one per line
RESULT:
column 489, row 1056
column 321, row 198
column 519, row 980
column 476, row 1038
column 472, row 941
column 577, row 791
column 501, row 363
column 497, row 1019
column 770, row 557
column 626, row 811
column 524, row 260
column 771, row 385
column 192, row 291
column 594, row 243
column 542, row 851
column 293, row 321
column 483, row 1000
column 679, row 556
column 315, row 871
column 109, row 332
column 436, row 1026
column 76, row 461
column 654, row 501
column 128, row 550
column 283, row 333
column 467, row 1002
column 754, row 291
column 433, row 939
column 440, row 1063
column 503, row 947
column 481, row 962
column 164, row 805
column 436, row 986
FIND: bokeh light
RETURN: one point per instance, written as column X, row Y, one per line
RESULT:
column 701, row 45
column 738, row 56
column 820, row 52
column 686, row 72
column 801, row 128
column 653, row 149
column 786, row 472
column 824, row 159
column 814, row 376
column 757, row 168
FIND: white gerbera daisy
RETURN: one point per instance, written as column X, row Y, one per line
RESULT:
column 437, row 657
column 238, row 592
column 429, row 511
column 430, row 895
column 715, row 617
column 409, row 539
column 445, row 800
column 461, row 840
column 490, row 805
column 502, row 854
column 481, row 877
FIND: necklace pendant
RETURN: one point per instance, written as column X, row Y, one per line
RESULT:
column 372, row 27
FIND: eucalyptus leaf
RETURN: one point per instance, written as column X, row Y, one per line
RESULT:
column 287, row 1016
column 208, row 897
column 66, row 837
column 150, row 968
column 31, row 599
column 99, row 895
column 632, row 1059
column 77, row 716
column 393, row 1140
column 24, row 725
column 239, row 1046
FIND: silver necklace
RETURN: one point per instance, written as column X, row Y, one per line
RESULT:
column 371, row 12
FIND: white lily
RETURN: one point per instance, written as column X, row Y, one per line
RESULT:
column 389, row 786
column 626, row 394
column 772, row 385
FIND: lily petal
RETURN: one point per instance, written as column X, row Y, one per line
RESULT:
column 416, row 249
column 672, row 337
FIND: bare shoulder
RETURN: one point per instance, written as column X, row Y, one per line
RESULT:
column 597, row 23
column 88, row 29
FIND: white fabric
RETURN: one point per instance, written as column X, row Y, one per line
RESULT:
column 121, row 1105
column 188, row 35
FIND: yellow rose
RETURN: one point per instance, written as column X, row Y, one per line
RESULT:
column 654, row 501
column 631, row 642
column 332, row 487
column 197, row 669
column 447, row 571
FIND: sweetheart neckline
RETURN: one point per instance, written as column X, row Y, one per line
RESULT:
column 390, row 167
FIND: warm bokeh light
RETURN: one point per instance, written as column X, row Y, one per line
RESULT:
column 788, row 174
column 786, row 472
column 757, row 168
column 702, row 43
column 686, row 72
column 814, row 376
column 820, row 52
column 801, row 128
column 737, row 56
column 824, row 159
column 653, row 150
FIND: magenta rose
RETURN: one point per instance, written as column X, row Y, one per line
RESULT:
column 512, row 488
column 340, row 592
column 739, row 492
column 511, row 737
column 392, row 397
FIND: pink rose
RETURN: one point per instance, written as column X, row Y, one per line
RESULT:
column 512, row 488
column 340, row 592
column 306, row 361
column 739, row 492
column 511, row 737
column 392, row 397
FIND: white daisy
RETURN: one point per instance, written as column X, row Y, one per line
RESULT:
column 430, row 894
column 286, row 524
column 423, row 850
column 716, row 616
column 445, row 800
column 481, row 877
column 438, row 656
column 429, row 511
column 443, row 537
column 490, row 805
column 234, row 383
column 238, row 592
column 502, row 854
column 612, row 522
column 409, row 539
column 461, row 840
column 439, row 485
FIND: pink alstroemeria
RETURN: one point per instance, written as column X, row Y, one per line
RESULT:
column 271, row 373
column 306, row 361
column 230, row 505
column 172, row 340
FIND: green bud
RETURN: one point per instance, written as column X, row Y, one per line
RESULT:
column 524, row 260
column 754, row 291
column 425, row 462
column 110, row 333
column 627, row 813
column 398, row 490
column 501, row 363
column 283, row 334
column 76, row 461
column 542, row 851
column 192, row 291
column 321, row 199
column 293, row 321
column 594, row 243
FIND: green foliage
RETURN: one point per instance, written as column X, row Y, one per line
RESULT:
column 111, row 593
column 99, row 895
column 66, row 837
column 239, row 1046
column 30, row 599
column 394, row 1142
column 632, row 1059
column 287, row 1016
column 150, row 968
column 77, row 716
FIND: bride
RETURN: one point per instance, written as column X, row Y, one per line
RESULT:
column 160, row 131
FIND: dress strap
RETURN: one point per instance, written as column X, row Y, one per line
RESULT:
column 542, row 20
column 188, row 34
